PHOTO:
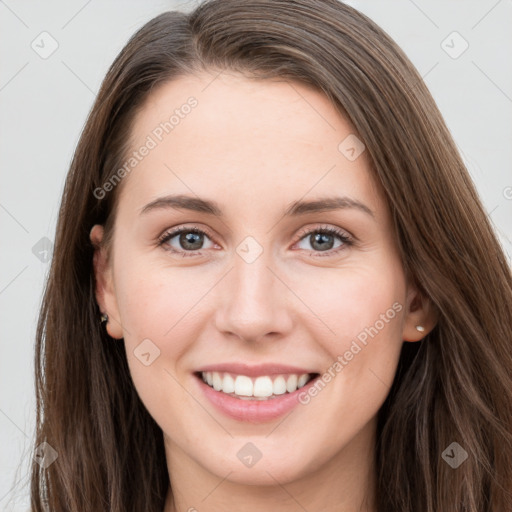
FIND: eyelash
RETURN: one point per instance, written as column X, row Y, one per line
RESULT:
column 327, row 230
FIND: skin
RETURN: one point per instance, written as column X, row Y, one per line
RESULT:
column 266, row 143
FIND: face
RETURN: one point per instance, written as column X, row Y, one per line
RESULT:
column 261, row 291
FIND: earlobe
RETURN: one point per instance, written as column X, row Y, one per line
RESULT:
column 420, row 317
column 104, row 289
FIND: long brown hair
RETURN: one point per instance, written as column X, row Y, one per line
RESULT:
column 455, row 386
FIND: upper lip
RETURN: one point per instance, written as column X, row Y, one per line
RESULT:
column 254, row 370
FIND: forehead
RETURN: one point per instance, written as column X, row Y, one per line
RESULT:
column 240, row 113
column 271, row 141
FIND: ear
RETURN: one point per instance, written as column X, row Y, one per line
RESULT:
column 104, row 286
column 419, row 311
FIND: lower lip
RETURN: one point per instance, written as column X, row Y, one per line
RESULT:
column 254, row 411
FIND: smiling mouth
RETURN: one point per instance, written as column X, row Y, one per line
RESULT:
column 264, row 387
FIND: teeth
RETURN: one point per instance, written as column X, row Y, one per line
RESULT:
column 217, row 381
column 279, row 386
column 259, row 388
column 228, row 384
column 302, row 380
column 243, row 385
column 263, row 386
column 291, row 383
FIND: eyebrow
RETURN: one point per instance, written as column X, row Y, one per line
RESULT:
column 196, row 204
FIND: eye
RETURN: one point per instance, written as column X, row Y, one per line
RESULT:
column 322, row 240
column 187, row 239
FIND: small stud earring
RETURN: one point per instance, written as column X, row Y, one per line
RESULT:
column 420, row 328
column 104, row 317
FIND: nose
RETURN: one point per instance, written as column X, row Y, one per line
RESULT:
column 253, row 303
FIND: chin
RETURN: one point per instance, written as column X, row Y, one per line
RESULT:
column 256, row 461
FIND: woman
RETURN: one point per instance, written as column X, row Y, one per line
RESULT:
column 274, row 286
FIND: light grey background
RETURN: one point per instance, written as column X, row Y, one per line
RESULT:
column 44, row 103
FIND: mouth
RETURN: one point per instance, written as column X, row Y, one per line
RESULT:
column 260, row 388
column 254, row 394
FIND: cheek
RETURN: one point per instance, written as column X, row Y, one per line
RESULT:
column 156, row 309
column 359, row 317
column 349, row 300
column 156, row 301
column 155, row 305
